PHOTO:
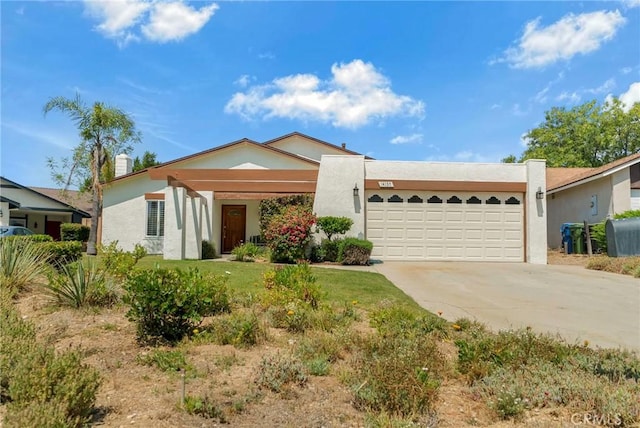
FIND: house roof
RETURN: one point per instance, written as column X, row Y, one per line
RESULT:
column 561, row 177
column 315, row 140
column 215, row 149
column 79, row 200
column 65, row 204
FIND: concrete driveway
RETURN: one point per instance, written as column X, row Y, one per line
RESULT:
column 577, row 303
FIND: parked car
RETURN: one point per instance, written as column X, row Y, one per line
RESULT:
column 14, row 231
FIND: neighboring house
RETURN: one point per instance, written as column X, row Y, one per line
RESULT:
column 592, row 194
column 409, row 210
column 40, row 212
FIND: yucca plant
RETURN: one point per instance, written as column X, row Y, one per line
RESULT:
column 77, row 285
column 21, row 263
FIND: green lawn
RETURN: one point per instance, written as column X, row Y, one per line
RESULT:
column 367, row 288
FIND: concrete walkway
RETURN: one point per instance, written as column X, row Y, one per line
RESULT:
column 577, row 303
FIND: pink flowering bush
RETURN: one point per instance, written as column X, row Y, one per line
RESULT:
column 288, row 234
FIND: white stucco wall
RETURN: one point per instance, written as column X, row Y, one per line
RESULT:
column 621, row 191
column 445, row 171
column 124, row 213
column 334, row 191
column 304, row 147
column 536, row 213
column 4, row 209
column 574, row 206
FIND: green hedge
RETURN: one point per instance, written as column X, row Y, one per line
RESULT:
column 74, row 232
column 30, row 238
column 208, row 250
column 62, row 253
column 354, row 251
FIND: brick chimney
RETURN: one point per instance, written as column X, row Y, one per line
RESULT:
column 124, row 165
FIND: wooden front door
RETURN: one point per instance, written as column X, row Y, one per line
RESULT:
column 233, row 226
column 52, row 228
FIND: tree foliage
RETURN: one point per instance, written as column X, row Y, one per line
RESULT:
column 148, row 160
column 587, row 135
column 104, row 132
column 331, row 225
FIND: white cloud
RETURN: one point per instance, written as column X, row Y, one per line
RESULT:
column 175, row 20
column 604, row 88
column 244, row 80
column 524, row 140
column 267, row 55
column 356, row 94
column 20, row 10
column 571, row 35
column 518, row 111
column 631, row 3
column 117, row 16
column 541, row 97
column 123, row 20
column 495, row 106
column 631, row 97
column 572, row 97
column 626, row 70
column 406, row 139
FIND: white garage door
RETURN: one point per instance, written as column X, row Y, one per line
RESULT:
column 410, row 225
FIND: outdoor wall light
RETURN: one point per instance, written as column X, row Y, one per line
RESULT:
column 539, row 194
column 1, row 214
column 356, row 191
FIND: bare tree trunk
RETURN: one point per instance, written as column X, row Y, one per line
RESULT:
column 92, row 248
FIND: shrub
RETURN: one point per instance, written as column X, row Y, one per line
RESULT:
column 395, row 320
column 42, row 376
column 331, row 249
column 204, row 407
column 208, row 250
column 120, row 263
column 354, row 251
column 165, row 360
column 21, row 263
column 599, row 236
column 168, row 304
column 62, row 253
column 397, row 374
column 29, row 238
column 74, row 232
column 42, row 388
column 77, row 285
column 627, row 214
column 274, row 206
column 291, row 284
column 334, row 225
column 277, row 371
column 288, row 234
column 241, row 329
column 246, row 252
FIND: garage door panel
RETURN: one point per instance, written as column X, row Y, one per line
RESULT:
column 415, row 216
column 435, row 216
column 471, row 230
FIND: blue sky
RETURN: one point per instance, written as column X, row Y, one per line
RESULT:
column 439, row 81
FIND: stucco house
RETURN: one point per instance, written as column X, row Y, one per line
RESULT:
column 592, row 194
column 409, row 210
column 41, row 210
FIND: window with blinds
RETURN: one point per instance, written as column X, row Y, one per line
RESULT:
column 155, row 218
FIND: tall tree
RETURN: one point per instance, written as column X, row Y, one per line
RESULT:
column 148, row 160
column 587, row 135
column 104, row 132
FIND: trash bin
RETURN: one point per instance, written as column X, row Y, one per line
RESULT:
column 567, row 241
column 577, row 236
